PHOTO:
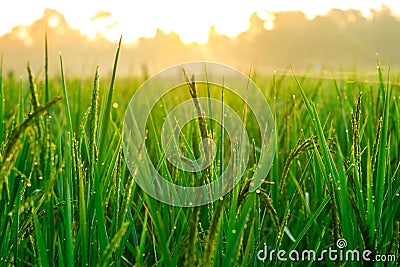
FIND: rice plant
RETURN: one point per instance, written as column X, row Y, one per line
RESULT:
column 68, row 199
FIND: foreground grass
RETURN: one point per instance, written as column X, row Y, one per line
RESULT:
column 67, row 197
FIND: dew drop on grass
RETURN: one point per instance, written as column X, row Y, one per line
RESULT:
column 40, row 177
column 35, row 163
column 233, row 231
column 258, row 191
column 115, row 105
column 174, row 227
column 28, row 184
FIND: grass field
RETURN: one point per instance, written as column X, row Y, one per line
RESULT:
column 68, row 199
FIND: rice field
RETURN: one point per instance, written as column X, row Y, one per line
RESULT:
column 67, row 197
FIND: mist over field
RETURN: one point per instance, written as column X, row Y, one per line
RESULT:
column 338, row 40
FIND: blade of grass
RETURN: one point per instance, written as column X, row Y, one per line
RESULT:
column 41, row 246
column 107, row 111
column 46, row 70
column 93, row 177
column 67, row 179
column 310, row 222
column 114, row 244
column 382, row 153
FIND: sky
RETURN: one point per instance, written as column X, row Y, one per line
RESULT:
column 191, row 20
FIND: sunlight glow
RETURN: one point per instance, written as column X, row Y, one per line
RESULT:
column 191, row 20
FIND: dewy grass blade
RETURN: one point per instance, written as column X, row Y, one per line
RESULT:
column 66, row 101
column 235, row 230
column 46, row 70
column 107, row 112
column 41, row 246
column 93, row 170
column 67, row 179
column 114, row 244
column 327, row 157
column 310, row 222
column 381, row 183
column 344, row 204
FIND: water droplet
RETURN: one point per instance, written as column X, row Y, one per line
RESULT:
column 233, row 231
column 258, row 191
column 40, row 177
column 28, row 184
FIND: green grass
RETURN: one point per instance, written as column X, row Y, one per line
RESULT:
column 68, row 199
